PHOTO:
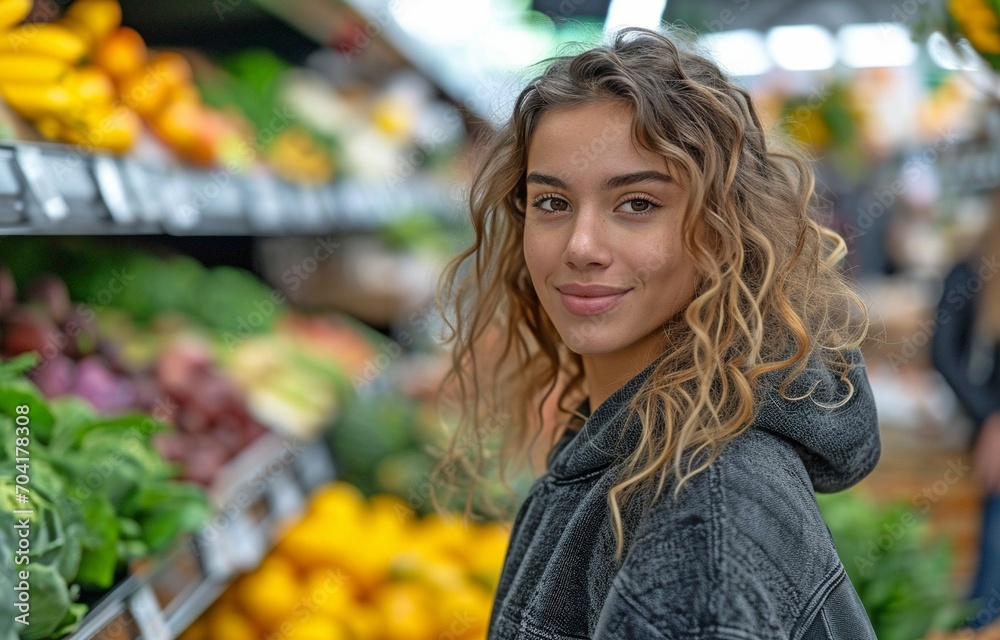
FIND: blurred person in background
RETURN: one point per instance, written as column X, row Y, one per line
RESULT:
column 966, row 350
column 649, row 252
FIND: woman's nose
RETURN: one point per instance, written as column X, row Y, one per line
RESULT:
column 587, row 243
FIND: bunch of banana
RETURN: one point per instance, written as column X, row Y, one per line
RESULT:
column 42, row 78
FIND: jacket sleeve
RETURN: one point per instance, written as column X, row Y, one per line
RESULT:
column 842, row 615
column 622, row 619
column 680, row 579
column 950, row 348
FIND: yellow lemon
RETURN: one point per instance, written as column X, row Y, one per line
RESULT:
column 228, row 622
column 406, row 611
column 270, row 595
column 339, row 502
column 318, row 627
column 366, row 621
column 330, row 591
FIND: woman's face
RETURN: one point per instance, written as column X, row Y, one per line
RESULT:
column 602, row 233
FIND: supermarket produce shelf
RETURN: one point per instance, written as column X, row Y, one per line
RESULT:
column 313, row 18
column 255, row 498
column 51, row 189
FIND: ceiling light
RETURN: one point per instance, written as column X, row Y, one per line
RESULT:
column 634, row 13
column 806, row 47
column 880, row 44
column 740, row 52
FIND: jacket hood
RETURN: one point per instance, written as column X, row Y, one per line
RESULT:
column 839, row 445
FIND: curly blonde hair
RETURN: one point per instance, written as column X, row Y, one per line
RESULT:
column 769, row 293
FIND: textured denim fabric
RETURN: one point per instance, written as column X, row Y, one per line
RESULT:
column 742, row 553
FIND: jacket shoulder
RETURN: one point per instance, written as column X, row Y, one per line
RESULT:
column 743, row 546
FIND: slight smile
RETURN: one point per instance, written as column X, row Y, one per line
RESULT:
column 589, row 300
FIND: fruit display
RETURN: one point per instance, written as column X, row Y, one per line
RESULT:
column 85, row 79
column 47, row 75
column 413, row 578
column 98, row 497
column 251, row 82
column 214, row 350
column 296, row 377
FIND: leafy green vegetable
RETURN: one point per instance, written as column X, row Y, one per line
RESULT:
column 99, row 496
column 221, row 298
column 901, row 576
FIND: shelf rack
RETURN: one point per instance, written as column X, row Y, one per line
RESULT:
column 51, row 189
column 255, row 497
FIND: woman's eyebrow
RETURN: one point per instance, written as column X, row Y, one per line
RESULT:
column 624, row 180
column 616, row 182
column 540, row 178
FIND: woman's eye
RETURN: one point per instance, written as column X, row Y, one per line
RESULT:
column 554, row 204
column 638, row 205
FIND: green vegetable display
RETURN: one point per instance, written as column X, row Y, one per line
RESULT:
column 99, row 496
column 386, row 443
column 901, row 576
column 221, row 298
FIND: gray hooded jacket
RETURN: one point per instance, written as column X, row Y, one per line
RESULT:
column 742, row 554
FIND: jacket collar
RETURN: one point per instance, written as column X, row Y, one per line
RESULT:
column 838, row 445
column 596, row 445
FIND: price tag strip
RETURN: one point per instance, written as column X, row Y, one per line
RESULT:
column 112, row 189
column 247, row 543
column 286, row 497
column 40, row 183
column 148, row 616
column 314, row 465
column 144, row 191
column 178, row 576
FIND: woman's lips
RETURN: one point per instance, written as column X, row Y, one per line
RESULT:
column 590, row 305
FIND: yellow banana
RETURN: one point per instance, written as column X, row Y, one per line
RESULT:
column 31, row 67
column 108, row 128
column 34, row 101
column 92, row 85
column 13, row 12
column 44, row 39
column 78, row 28
column 50, row 127
column 100, row 16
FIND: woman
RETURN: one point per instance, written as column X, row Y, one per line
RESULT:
column 966, row 350
column 643, row 250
